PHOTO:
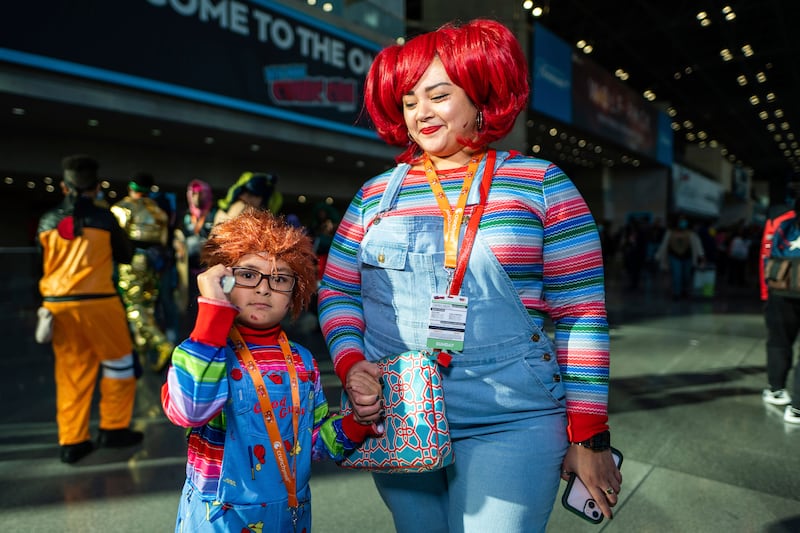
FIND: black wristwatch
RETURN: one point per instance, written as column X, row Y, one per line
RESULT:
column 597, row 443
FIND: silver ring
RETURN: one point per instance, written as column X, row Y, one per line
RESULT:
column 609, row 490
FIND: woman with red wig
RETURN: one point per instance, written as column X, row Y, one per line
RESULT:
column 505, row 233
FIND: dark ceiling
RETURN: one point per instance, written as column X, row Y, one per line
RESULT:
column 663, row 47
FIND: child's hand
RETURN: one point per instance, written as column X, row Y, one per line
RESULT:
column 209, row 282
column 364, row 391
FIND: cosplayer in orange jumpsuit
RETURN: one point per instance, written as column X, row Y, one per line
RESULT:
column 80, row 241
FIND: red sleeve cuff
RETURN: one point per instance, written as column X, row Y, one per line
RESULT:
column 345, row 363
column 214, row 321
column 356, row 432
column 583, row 426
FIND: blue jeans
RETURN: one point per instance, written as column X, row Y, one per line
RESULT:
column 681, row 274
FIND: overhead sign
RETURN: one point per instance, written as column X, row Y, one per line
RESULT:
column 256, row 55
column 694, row 193
column 578, row 92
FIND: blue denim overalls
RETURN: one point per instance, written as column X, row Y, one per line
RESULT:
column 248, row 455
column 504, row 397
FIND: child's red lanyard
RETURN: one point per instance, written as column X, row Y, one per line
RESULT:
column 452, row 217
column 246, row 359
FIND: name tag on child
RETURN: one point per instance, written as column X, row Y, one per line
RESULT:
column 447, row 322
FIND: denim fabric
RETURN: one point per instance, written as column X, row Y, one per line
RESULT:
column 504, row 397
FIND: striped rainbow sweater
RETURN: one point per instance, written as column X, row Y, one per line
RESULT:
column 196, row 396
column 542, row 233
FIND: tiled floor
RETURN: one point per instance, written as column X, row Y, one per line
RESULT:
column 702, row 453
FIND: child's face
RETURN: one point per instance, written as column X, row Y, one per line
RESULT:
column 261, row 307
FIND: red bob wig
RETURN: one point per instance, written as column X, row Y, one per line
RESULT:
column 481, row 56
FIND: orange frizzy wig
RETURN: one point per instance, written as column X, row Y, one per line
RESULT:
column 261, row 232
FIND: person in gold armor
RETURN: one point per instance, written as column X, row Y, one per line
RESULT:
column 147, row 226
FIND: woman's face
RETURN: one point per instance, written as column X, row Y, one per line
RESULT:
column 438, row 113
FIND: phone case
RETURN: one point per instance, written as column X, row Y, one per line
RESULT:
column 578, row 500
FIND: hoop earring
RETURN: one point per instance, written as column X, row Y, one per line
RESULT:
column 479, row 121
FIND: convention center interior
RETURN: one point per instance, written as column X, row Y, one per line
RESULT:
column 666, row 116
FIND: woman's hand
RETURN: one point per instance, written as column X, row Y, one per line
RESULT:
column 363, row 388
column 598, row 472
column 209, row 282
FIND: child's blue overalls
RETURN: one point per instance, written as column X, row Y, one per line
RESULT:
column 504, row 397
column 249, row 471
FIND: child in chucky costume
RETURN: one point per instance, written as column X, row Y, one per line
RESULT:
column 252, row 400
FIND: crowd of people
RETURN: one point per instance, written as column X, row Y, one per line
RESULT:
column 502, row 240
column 643, row 249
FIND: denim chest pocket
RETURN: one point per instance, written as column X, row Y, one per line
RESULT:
column 384, row 254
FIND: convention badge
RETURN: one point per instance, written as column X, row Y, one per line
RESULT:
column 447, row 322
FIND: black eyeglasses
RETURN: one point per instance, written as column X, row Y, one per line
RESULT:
column 247, row 277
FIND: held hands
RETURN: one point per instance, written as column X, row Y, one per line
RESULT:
column 209, row 283
column 598, row 472
column 364, row 391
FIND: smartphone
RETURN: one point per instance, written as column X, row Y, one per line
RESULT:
column 227, row 283
column 577, row 499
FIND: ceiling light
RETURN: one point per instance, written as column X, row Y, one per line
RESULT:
column 677, row 75
column 327, row 7
column 702, row 135
column 741, row 80
column 688, row 124
column 784, row 126
column 17, row 111
column 747, row 50
column 777, row 137
column 527, row 4
column 690, row 136
column 671, row 111
column 730, row 16
column 761, row 77
column 754, row 100
column 726, row 54
column 580, row 44
column 726, row 10
column 763, row 115
column 675, row 126
column 649, row 95
column 702, row 15
column 537, row 11
column 705, row 22
column 302, row 199
column 553, row 132
column 588, row 49
column 771, row 127
column 770, row 97
column 778, row 113
column 311, row 2
column 536, row 148
column 782, row 146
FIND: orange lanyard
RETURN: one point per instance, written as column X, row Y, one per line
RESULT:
column 246, row 358
column 452, row 215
